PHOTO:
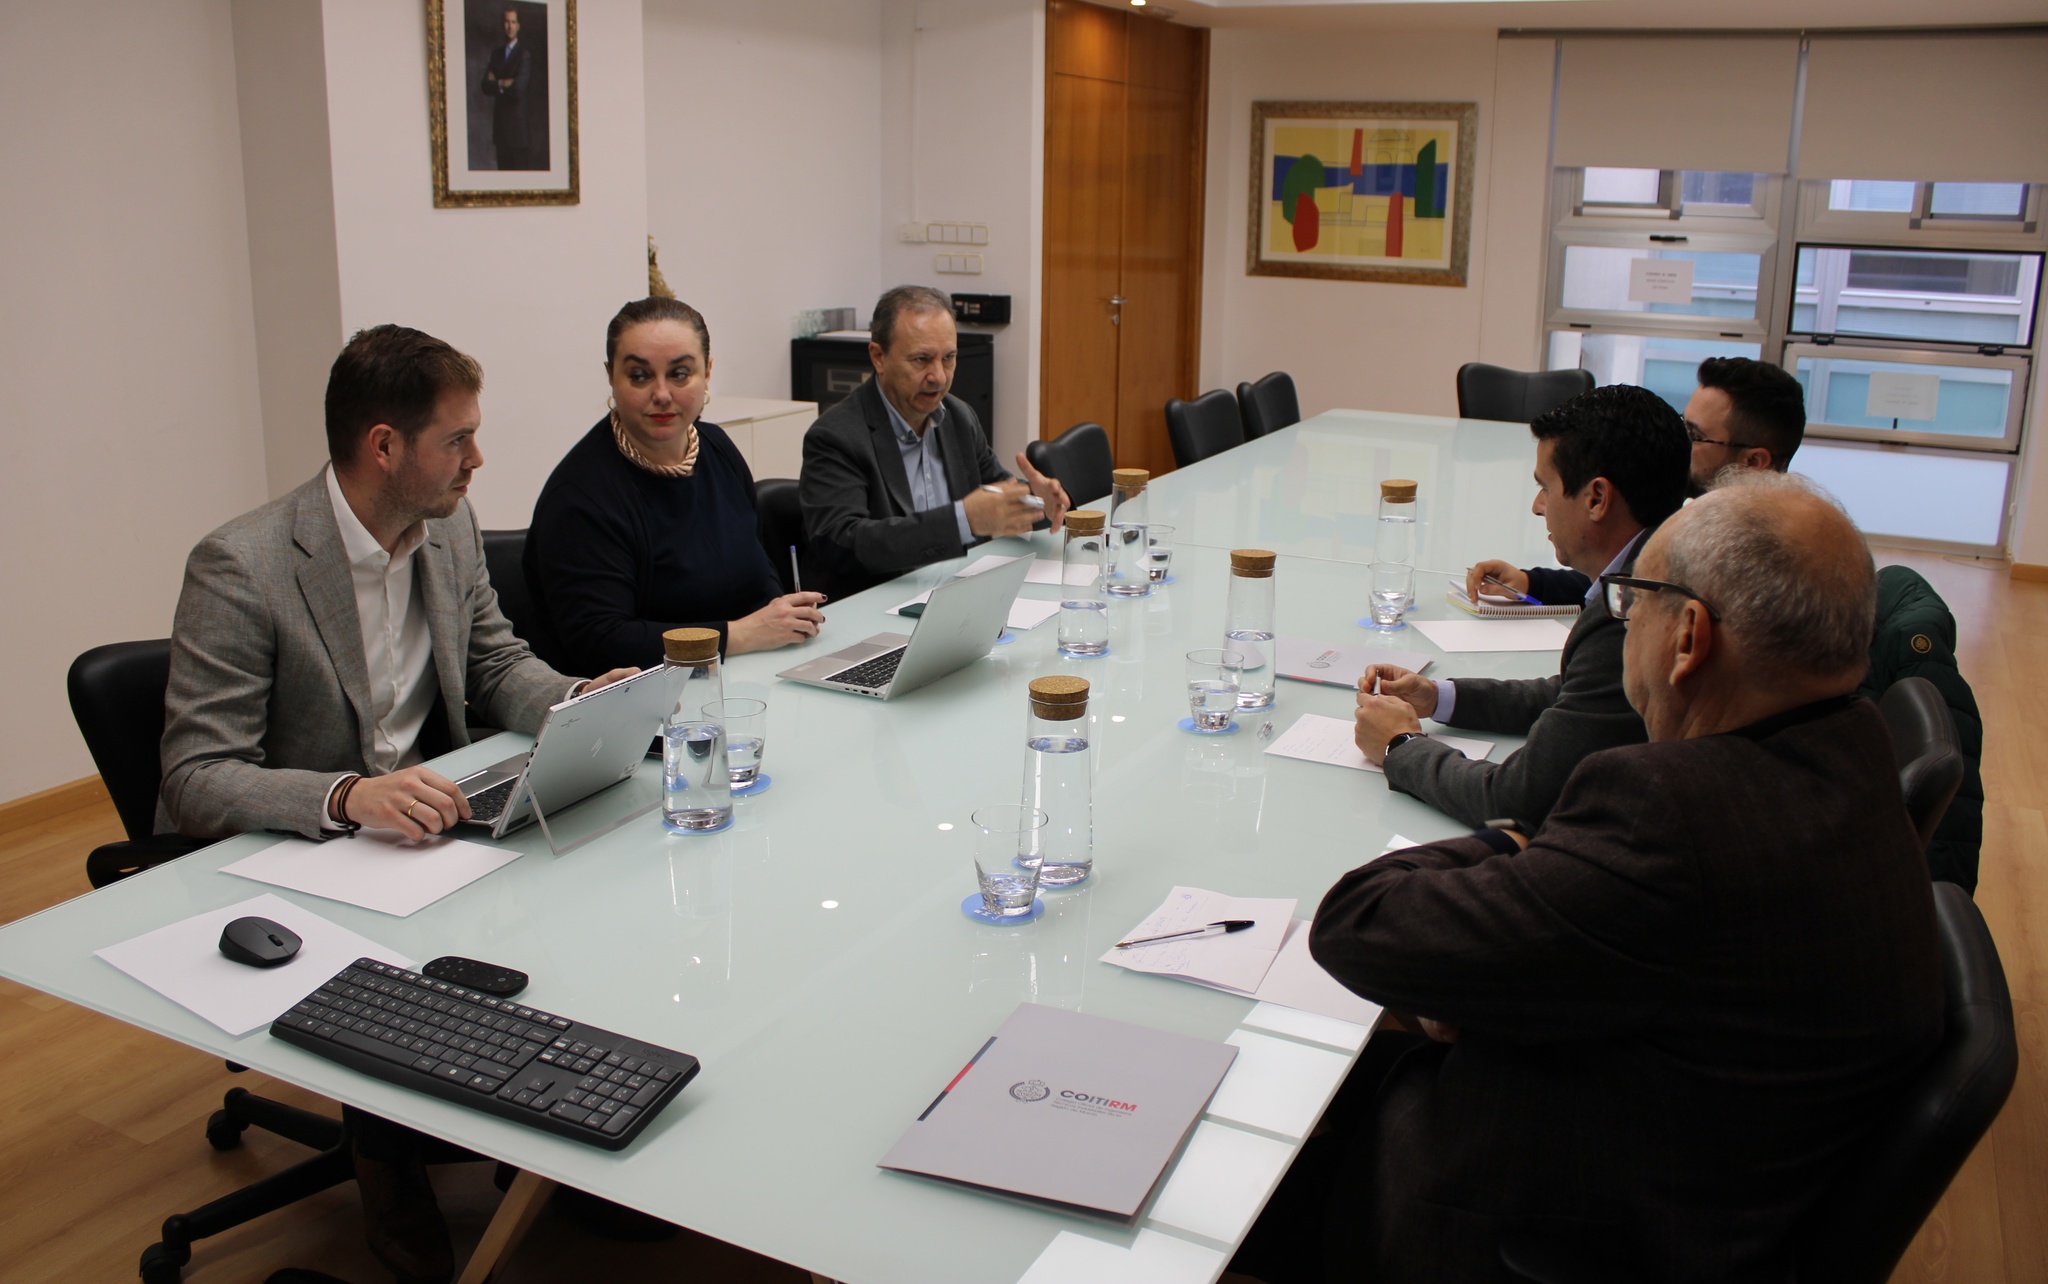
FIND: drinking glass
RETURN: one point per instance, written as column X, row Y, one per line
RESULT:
column 1159, row 552
column 1002, row 833
column 1084, row 627
column 1213, row 679
column 696, row 788
column 1393, row 592
column 746, row 737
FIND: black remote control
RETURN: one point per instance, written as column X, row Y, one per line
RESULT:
column 489, row 978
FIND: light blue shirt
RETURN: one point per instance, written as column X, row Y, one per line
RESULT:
column 925, row 463
column 1447, row 690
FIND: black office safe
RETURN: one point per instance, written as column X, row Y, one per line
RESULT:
column 825, row 370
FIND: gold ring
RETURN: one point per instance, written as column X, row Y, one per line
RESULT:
column 409, row 806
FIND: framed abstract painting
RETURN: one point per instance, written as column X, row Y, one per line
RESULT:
column 1362, row 191
column 501, row 99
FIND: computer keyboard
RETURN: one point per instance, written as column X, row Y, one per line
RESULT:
column 875, row 673
column 529, row 1066
column 487, row 805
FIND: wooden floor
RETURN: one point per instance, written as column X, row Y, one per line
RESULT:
column 101, row 1127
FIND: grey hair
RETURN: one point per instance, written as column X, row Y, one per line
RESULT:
column 904, row 298
column 1801, row 607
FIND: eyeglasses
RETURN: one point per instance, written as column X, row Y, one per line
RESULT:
column 1618, row 593
column 1701, row 439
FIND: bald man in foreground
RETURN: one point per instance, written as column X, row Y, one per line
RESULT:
column 1657, row 1022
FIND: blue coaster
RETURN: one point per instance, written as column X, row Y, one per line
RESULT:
column 1367, row 623
column 760, row 786
column 692, row 833
column 1005, row 638
column 1188, row 724
column 971, row 907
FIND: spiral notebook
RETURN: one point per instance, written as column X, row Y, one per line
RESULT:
column 1504, row 608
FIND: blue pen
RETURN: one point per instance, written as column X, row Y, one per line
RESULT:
column 1523, row 598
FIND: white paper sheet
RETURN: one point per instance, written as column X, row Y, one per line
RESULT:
column 377, row 869
column 1235, row 961
column 1315, row 738
column 183, row 963
column 1898, row 394
column 1296, row 980
column 1025, row 612
column 1152, row 1258
column 1307, row 660
column 1494, row 635
column 1660, row 280
column 1043, row 572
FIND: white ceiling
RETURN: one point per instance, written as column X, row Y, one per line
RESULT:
column 1411, row 15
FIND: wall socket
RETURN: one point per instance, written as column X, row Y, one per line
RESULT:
column 957, row 264
column 910, row 233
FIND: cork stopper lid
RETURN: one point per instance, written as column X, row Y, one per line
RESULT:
column 1059, row 696
column 1251, row 563
column 1085, row 521
column 690, row 646
column 1130, row 478
column 1398, row 489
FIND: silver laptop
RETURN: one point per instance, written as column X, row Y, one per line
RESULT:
column 960, row 623
column 586, row 744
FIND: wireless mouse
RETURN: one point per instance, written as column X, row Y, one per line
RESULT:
column 259, row 942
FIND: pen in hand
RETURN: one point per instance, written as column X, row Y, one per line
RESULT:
column 1214, row 929
column 1523, row 598
column 796, row 577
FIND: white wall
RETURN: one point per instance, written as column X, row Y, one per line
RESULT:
column 963, row 90
column 1349, row 343
column 764, row 126
column 527, row 292
column 128, row 392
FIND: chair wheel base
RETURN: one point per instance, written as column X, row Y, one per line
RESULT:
column 163, row 1264
column 223, row 1133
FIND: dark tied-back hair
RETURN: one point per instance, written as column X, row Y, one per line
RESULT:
column 1629, row 435
column 904, row 298
column 654, row 309
column 1768, row 407
column 389, row 374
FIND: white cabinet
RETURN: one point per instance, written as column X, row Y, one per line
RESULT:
column 770, row 434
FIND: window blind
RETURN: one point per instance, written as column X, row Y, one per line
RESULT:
column 1964, row 108
column 1677, row 102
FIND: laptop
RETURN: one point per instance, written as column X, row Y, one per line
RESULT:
column 586, row 744
column 960, row 623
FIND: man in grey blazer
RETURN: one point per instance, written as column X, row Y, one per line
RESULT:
column 900, row 473
column 328, row 642
column 1610, row 465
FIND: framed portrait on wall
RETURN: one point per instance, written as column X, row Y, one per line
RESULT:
column 501, row 96
column 1362, row 191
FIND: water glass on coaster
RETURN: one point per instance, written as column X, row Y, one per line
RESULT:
column 1159, row 553
column 696, row 789
column 746, row 740
column 1084, row 615
column 1214, row 677
column 1393, row 593
column 1007, row 893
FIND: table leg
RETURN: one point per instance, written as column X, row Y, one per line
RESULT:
column 522, row 1203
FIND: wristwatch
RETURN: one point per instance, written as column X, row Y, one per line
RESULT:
column 1403, row 739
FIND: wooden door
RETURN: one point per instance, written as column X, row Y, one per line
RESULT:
column 1125, row 128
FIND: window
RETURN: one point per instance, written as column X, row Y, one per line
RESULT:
column 1880, row 394
column 2006, row 201
column 1668, row 193
column 1938, row 296
column 1664, row 364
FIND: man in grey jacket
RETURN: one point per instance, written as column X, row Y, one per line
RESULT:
column 328, row 642
column 1610, row 465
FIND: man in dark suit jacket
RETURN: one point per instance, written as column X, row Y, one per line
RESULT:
column 1610, row 465
column 508, row 77
column 900, row 474
column 1660, row 1025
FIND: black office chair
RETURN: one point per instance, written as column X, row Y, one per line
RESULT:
column 1516, row 396
column 1892, row 1179
column 1929, row 752
column 1268, row 405
column 505, row 563
column 117, row 698
column 780, row 522
column 1208, row 425
column 1079, row 459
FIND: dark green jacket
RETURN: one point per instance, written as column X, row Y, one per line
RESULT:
column 1916, row 638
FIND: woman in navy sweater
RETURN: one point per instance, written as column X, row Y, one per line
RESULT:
column 648, row 523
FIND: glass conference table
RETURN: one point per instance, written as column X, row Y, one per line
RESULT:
column 814, row 955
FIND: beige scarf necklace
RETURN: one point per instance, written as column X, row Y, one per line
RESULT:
column 638, row 460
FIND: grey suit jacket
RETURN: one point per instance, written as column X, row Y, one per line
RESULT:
column 856, row 496
column 1579, row 711
column 269, row 696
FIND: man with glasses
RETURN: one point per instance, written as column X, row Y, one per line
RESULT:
column 1610, row 465
column 1656, row 1023
column 1743, row 415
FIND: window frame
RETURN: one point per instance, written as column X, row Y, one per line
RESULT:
column 1914, row 353
column 1916, row 229
column 2040, row 257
